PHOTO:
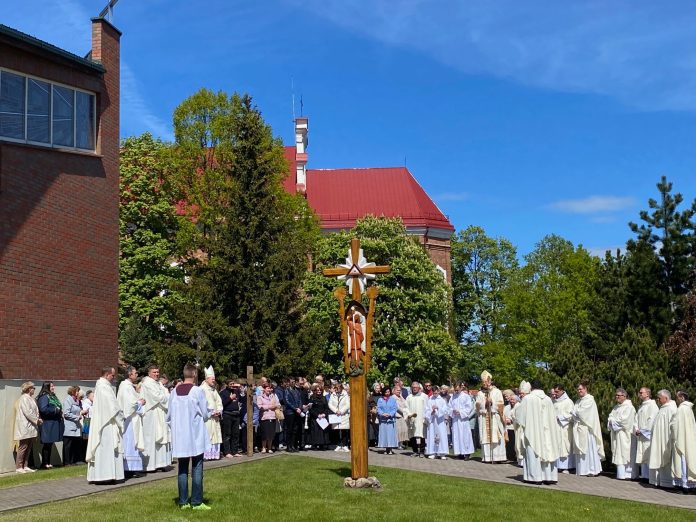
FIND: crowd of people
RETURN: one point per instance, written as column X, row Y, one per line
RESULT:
column 151, row 421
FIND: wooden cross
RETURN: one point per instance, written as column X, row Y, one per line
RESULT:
column 356, row 271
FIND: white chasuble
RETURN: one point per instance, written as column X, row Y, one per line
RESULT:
column 104, row 450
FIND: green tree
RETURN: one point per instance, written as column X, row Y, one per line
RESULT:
column 411, row 336
column 481, row 270
column 671, row 234
column 147, row 228
column 246, row 241
column 548, row 305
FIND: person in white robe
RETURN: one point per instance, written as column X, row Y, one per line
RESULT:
column 132, row 407
column 620, row 425
column 511, row 444
column 642, row 431
column 416, row 403
column 588, row 445
column 187, row 411
column 461, row 406
column 436, row 412
column 155, row 430
column 402, row 414
column 215, row 408
column 537, row 417
column 661, row 445
column 683, row 431
column 524, row 390
column 490, row 410
column 104, row 449
column 563, row 406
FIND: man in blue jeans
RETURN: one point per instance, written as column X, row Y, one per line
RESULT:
column 187, row 413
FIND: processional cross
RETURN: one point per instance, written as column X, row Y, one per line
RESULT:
column 356, row 333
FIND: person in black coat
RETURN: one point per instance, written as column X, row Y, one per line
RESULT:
column 319, row 409
column 231, row 418
column 51, row 413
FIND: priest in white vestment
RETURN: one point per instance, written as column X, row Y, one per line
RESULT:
column 436, row 411
column 537, row 417
column 416, row 403
column 490, row 410
column 461, row 406
column 104, row 449
column 642, row 431
column 684, row 436
column 620, row 425
column 132, row 407
column 661, row 444
column 155, row 429
column 524, row 390
column 563, row 406
column 588, row 445
column 215, row 408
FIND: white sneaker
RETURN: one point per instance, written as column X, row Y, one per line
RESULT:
column 443, row 458
column 338, row 448
column 346, row 449
column 29, row 470
column 20, row 470
column 281, row 446
column 431, row 456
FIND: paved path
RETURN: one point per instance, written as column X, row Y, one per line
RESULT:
column 602, row 486
column 61, row 489
column 37, row 493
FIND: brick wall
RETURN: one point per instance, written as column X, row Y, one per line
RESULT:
column 59, row 232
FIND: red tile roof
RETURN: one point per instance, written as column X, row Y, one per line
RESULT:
column 341, row 196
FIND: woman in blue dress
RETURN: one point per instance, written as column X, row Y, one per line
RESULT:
column 386, row 413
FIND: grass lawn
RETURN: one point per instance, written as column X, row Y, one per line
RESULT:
column 11, row 480
column 303, row 488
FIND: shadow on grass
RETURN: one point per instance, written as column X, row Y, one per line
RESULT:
column 343, row 471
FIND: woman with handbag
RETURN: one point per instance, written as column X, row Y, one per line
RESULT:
column 268, row 403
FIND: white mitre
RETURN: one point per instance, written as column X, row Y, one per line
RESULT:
column 525, row 387
column 209, row 372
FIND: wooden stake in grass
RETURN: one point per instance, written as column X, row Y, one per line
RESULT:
column 356, row 332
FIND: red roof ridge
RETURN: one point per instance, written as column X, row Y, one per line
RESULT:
column 363, row 168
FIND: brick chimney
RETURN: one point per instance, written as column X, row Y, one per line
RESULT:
column 301, row 128
column 106, row 49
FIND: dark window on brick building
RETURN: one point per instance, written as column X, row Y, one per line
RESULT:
column 39, row 111
column 11, row 105
column 46, row 113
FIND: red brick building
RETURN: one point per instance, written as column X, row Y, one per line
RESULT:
column 393, row 191
column 59, row 161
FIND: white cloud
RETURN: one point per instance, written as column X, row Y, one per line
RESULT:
column 600, row 251
column 593, row 205
column 639, row 52
column 135, row 109
column 452, row 196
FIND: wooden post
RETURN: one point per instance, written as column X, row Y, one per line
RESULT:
column 358, row 427
column 250, row 411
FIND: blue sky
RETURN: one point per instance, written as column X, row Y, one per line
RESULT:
column 526, row 118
